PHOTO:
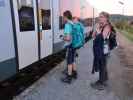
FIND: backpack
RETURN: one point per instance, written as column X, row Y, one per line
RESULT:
column 112, row 39
column 112, row 42
column 78, row 38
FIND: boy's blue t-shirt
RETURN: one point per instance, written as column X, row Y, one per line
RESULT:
column 68, row 29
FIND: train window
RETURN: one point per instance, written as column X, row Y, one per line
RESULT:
column 46, row 19
column 61, row 22
column 26, row 15
column 44, row 6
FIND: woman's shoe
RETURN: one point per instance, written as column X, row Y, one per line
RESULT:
column 98, row 85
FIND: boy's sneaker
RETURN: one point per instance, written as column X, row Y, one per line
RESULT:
column 67, row 79
column 75, row 75
column 65, row 71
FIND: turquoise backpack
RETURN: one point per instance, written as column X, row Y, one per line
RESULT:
column 78, row 39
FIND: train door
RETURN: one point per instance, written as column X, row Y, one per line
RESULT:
column 57, row 26
column 8, row 64
column 45, row 21
column 26, row 31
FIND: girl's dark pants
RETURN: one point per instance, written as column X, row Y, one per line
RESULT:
column 100, row 60
column 103, row 73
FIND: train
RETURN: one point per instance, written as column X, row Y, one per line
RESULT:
column 30, row 30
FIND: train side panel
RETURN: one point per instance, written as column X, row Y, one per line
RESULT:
column 7, row 50
column 58, row 42
column 24, row 39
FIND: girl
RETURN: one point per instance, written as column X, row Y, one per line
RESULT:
column 100, row 50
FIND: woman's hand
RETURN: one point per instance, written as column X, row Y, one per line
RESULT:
column 106, row 31
column 98, row 28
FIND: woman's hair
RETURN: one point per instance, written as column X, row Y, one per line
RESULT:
column 68, row 14
column 105, row 14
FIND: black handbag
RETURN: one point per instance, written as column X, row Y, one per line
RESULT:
column 112, row 40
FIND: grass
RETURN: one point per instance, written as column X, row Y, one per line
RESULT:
column 127, row 34
column 125, row 28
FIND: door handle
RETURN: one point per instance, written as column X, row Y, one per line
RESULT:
column 61, row 37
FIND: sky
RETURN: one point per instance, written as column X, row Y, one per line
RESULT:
column 113, row 6
column 71, row 5
column 74, row 7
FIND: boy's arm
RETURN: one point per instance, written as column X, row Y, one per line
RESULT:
column 67, row 32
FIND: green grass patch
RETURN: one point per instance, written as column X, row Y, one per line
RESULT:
column 127, row 34
column 125, row 28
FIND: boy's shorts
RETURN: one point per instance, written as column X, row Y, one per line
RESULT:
column 71, row 52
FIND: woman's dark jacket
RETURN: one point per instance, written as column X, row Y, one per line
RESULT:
column 99, row 56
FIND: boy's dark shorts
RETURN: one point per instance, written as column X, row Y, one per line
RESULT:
column 71, row 52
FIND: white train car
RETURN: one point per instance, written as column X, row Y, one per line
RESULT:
column 30, row 30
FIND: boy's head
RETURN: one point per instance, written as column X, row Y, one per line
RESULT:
column 67, row 15
column 75, row 19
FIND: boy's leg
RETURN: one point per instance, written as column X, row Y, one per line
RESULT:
column 74, row 59
column 70, row 69
column 68, row 77
column 74, row 65
column 74, row 72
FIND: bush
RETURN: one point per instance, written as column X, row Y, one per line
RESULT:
column 124, row 25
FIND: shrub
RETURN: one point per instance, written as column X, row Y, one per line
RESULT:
column 124, row 25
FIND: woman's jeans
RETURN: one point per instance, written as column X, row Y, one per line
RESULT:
column 103, row 73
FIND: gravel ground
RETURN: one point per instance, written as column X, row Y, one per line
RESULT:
column 49, row 87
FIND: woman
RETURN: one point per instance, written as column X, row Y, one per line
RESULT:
column 101, row 50
column 68, row 45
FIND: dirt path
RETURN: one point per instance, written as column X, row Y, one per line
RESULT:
column 125, row 72
column 49, row 87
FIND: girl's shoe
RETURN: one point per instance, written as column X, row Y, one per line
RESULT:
column 98, row 85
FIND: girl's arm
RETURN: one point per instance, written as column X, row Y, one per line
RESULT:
column 97, row 29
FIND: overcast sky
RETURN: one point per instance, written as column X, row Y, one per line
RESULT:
column 113, row 6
